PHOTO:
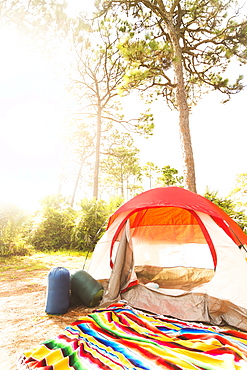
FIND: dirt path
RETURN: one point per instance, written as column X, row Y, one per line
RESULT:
column 23, row 321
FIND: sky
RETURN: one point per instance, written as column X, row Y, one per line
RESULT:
column 31, row 119
column 34, row 105
column 218, row 134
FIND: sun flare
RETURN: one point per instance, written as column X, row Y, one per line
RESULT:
column 32, row 117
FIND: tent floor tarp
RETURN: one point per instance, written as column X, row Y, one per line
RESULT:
column 120, row 337
column 188, row 306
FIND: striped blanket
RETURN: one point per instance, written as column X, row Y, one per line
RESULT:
column 121, row 338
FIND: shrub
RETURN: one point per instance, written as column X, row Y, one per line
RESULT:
column 12, row 224
column 229, row 207
column 54, row 231
column 90, row 224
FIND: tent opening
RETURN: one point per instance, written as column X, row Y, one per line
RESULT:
column 170, row 248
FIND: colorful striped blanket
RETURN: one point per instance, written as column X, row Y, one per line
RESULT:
column 121, row 338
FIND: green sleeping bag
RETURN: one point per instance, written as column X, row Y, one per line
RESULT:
column 86, row 288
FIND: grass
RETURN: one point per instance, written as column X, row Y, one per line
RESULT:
column 16, row 263
column 67, row 253
column 34, row 262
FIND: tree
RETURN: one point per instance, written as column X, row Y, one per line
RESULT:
column 57, row 202
column 100, row 72
column 53, row 225
column 54, row 230
column 229, row 206
column 182, row 48
column 170, row 177
column 35, row 17
column 122, row 164
column 90, row 224
column 149, row 169
column 239, row 193
column 81, row 142
column 12, row 224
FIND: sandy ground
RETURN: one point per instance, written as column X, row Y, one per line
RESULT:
column 23, row 321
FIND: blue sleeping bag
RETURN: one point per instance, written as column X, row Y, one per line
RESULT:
column 58, row 291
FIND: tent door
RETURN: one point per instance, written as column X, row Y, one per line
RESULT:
column 123, row 270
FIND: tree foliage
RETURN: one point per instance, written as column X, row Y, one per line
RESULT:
column 57, row 226
column 54, row 230
column 36, row 18
column 149, row 170
column 170, row 177
column 121, row 165
column 239, row 193
column 13, row 227
column 100, row 70
column 181, row 48
column 210, row 33
column 229, row 206
column 90, row 224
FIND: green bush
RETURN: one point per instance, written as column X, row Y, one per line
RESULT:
column 90, row 224
column 56, row 227
column 228, row 205
column 12, row 225
column 54, row 231
column 16, row 248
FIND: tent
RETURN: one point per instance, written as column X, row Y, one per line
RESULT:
column 173, row 252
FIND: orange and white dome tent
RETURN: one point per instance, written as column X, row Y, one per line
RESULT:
column 171, row 251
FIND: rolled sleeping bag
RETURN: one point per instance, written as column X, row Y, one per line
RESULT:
column 86, row 288
column 58, row 289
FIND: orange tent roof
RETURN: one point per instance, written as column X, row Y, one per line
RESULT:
column 181, row 198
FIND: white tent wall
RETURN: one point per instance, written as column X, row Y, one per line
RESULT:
column 230, row 279
column 99, row 266
column 155, row 251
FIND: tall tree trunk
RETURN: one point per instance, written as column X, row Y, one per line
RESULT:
column 97, row 155
column 122, row 183
column 183, row 109
column 77, row 179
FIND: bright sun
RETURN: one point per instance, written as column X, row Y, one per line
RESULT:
column 32, row 113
